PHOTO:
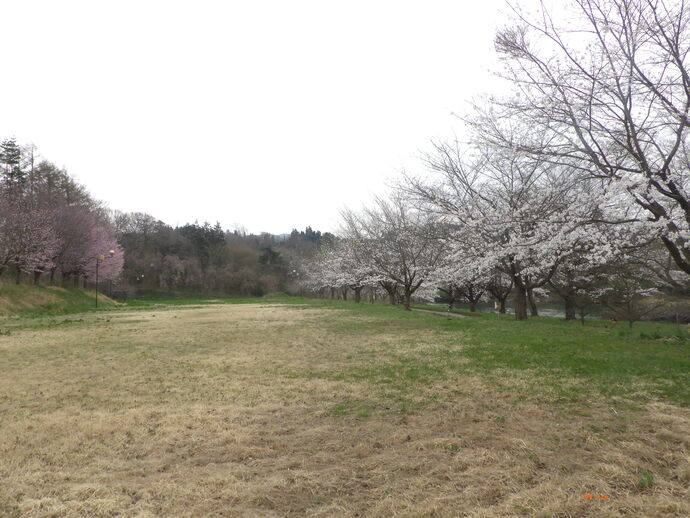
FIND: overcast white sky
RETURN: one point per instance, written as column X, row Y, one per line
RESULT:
column 267, row 114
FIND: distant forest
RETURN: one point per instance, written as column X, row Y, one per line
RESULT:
column 53, row 232
column 204, row 258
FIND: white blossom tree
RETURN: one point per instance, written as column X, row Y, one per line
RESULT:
column 341, row 265
column 399, row 244
column 607, row 82
column 508, row 211
column 460, row 277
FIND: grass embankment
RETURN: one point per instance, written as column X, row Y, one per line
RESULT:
column 33, row 301
column 323, row 408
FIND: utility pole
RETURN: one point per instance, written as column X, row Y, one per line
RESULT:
column 99, row 258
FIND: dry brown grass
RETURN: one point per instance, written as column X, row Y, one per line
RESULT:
column 212, row 412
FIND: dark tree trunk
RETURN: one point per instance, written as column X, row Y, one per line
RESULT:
column 472, row 294
column 532, row 303
column 332, row 293
column 569, row 308
column 502, row 306
column 451, row 293
column 37, row 275
column 18, row 276
column 391, row 290
column 392, row 294
column 520, row 303
column 408, row 299
column 358, row 294
column 344, row 292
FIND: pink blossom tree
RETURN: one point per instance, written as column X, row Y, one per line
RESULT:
column 27, row 236
column 104, row 248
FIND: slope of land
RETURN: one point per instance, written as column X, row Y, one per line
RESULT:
column 24, row 300
column 329, row 409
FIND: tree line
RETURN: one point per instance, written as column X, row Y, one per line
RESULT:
column 574, row 183
column 50, row 227
column 204, row 258
column 53, row 232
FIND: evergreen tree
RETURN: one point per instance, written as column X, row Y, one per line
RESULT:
column 10, row 157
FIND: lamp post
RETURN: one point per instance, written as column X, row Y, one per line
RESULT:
column 100, row 258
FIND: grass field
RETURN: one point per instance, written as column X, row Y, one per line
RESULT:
column 318, row 408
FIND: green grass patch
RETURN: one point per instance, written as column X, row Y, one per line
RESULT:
column 542, row 358
column 645, row 481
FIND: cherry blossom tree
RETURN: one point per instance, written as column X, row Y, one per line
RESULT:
column 323, row 271
column 102, row 244
column 352, row 270
column 608, row 83
column 499, row 286
column 507, row 211
column 27, row 236
column 399, row 244
column 459, row 277
column 340, row 266
column 625, row 290
column 74, row 225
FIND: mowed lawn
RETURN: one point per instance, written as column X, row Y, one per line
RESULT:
column 320, row 408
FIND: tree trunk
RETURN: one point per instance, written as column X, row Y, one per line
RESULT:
column 332, row 293
column 451, row 297
column 358, row 294
column 569, row 308
column 532, row 303
column 18, row 276
column 408, row 299
column 37, row 275
column 391, row 296
column 344, row 292
column 520, row 303
column 502, row 306
column 473, row 306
